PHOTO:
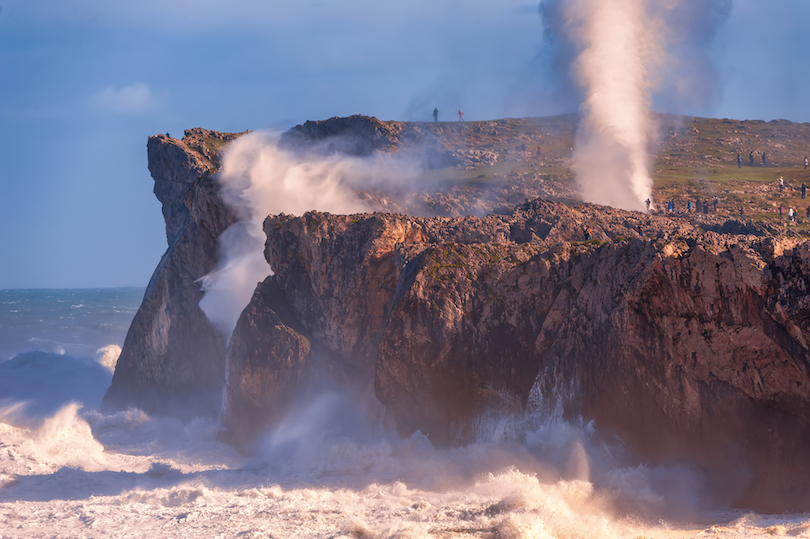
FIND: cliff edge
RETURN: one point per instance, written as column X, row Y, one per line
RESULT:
column 173, row 360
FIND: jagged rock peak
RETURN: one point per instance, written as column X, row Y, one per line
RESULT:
column 356, row 135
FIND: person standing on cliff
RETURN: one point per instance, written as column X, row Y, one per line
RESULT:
column 588, row 233
column 435, row 114
column 781, row 181
column 460, row 116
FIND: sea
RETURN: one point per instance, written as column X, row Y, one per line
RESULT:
column 69, row 470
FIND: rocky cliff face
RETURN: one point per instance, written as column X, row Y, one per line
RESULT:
column 172, row 359
column 687, row 336
column 688, row 343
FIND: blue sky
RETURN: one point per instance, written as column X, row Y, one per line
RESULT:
column 83, row 83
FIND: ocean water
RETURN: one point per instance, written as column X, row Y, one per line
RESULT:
column 327, row 470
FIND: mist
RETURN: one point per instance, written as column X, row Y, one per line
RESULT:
column 259, row 178
column 622, row 57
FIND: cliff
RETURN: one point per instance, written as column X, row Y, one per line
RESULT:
column 688, row 343
column 686, row 335
column 172, row 358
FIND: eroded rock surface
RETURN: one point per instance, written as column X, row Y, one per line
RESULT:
column 685, row 335
column 688, row 343
column 173, row 360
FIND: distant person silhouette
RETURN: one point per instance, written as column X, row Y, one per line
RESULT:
column 647, row 202
column 739, row 161
column 751, row 158
column 804, row 189
column 539, row 151
column 805, row 163
column 435, row 115
column 764, row 160
column 460, row 116
column 781, row 181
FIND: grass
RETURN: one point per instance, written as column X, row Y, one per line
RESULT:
column 696, row 158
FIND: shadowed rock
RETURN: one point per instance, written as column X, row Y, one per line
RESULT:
column 173, row 360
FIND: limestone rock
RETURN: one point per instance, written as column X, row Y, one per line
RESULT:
column 689, row 344
column 173, row 360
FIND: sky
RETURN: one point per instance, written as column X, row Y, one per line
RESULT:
column 84, row 83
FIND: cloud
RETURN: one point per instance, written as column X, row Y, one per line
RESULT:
column 127, row 100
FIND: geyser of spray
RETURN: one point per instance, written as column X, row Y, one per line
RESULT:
column 621, row 55
column 617, row 54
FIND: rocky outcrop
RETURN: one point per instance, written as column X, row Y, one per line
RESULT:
column 687, row 335
column 689, row 344
column 173, row 360
column 355, row 135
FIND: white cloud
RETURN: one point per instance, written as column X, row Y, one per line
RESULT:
column 127, row 100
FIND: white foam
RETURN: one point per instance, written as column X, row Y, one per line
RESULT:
column 108, row 356
column 82, row 473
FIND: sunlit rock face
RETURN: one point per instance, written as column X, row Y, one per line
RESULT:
column 689, row 343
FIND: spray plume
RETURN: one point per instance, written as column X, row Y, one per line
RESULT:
column 617, row 51
column 259, row 178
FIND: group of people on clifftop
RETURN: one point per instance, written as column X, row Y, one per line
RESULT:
column 436, row 115
column 710, row 206
column 751, row 159
column 764, row 160
column 699, row 206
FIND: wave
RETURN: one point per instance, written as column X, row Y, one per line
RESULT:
column 81, row 472
column 328, row 469
column 44, row 382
